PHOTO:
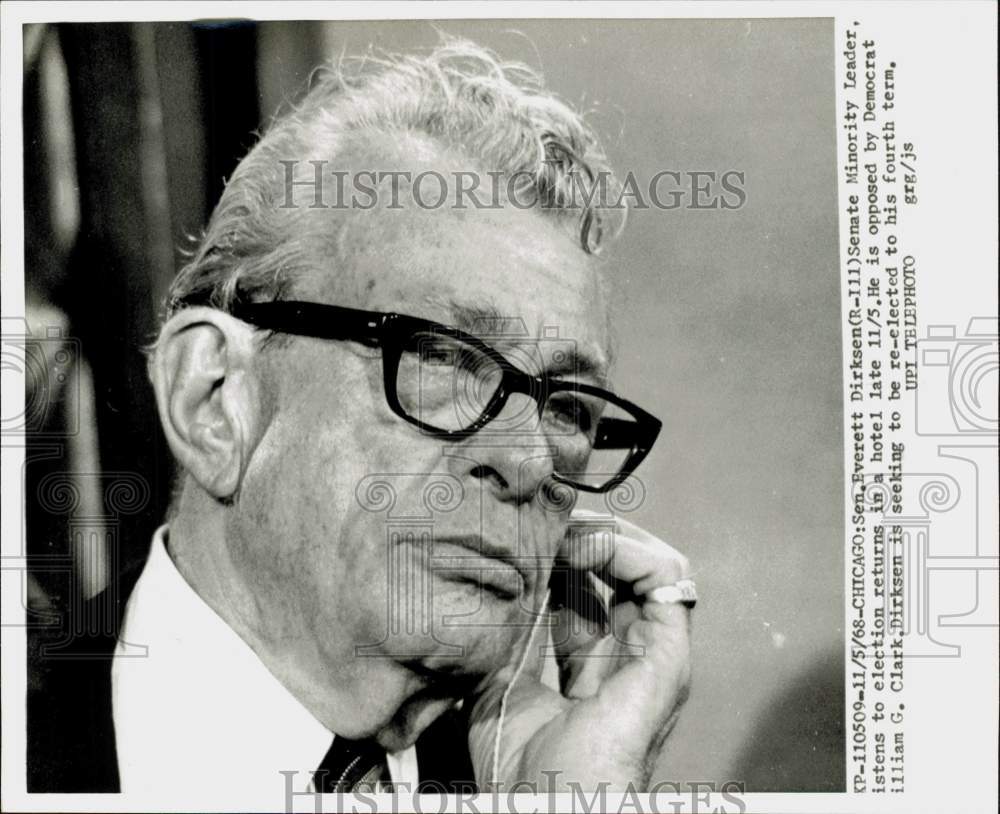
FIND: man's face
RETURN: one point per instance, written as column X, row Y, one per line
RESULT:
column 382, row 558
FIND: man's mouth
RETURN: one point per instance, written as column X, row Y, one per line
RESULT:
column 475, row 560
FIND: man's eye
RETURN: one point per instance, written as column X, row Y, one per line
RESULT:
column 571, row 412
column 435, row 353
column 437, row 357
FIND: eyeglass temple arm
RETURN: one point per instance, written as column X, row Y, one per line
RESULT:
column 639, row 434
column 311, row 319
column 615, row 433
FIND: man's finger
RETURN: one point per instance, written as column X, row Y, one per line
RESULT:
column 652, row 680
column 622, row 551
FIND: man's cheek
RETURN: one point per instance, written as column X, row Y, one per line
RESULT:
column 542, row 534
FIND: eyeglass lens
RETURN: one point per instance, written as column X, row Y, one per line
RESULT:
column 448, row 384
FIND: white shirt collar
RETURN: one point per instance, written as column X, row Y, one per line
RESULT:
column 194, row 706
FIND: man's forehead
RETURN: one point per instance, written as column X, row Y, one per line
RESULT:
column 399, row 233
column 494, row 272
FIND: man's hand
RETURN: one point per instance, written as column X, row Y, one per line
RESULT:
column 621, row 692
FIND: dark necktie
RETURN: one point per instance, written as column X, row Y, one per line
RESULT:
column 352, row 766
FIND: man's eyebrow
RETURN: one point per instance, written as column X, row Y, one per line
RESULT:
column 481, row 318
column 485, row 320
column 579, row 364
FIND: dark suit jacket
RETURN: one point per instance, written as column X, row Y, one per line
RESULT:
column 71, row 736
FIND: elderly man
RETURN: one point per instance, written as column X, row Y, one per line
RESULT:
column 332, row 358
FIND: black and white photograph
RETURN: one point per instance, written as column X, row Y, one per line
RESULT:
column 441, row 406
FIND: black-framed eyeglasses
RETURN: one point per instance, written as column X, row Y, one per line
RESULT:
column 451, row 384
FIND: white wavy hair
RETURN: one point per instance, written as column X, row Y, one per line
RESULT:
column 460, row 96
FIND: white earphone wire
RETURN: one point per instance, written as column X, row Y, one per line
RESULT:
column 510, row 686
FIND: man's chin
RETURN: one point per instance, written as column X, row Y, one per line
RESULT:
column 412, row 719
column 466, row 631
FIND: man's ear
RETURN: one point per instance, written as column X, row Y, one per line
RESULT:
column 207, row 396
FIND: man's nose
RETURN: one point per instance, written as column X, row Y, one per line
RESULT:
column 511, row 454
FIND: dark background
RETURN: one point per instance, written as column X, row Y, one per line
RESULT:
column 727, row 320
